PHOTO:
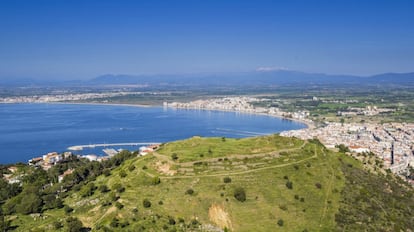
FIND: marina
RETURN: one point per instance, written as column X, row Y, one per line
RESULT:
column 81, row 147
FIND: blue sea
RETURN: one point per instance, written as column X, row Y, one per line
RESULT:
column 32, row 130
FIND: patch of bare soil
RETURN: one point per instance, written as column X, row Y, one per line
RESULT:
column 165, row 168
column 219, row 216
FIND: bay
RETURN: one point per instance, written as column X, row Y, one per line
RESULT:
column 32, row 130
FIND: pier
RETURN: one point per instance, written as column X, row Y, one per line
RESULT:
column 81, row 147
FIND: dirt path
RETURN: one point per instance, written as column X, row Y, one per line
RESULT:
column 328, row 193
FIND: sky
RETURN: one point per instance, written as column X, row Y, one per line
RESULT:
column 82, row 39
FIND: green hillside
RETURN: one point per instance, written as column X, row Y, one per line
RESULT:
column 268, row 183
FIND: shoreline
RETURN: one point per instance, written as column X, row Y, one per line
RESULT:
column 308, row 124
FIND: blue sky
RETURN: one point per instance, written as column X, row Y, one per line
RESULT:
column 81, row 39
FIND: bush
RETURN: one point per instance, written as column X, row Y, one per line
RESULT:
column 103, row 189
column 289, row 184
column 114, row 196
column 57, row 225
column 131, row 168
column 74, row 224
column 318, row 185
column 283, row 207
column 171, row 221
column 189, row 191
column 240, row 194
column 118, row 188
column 146, row 203
column 155, row 180
column 227, row 179
column 106, row 172
column 122, row 174
column 280, row 222
column 174, row 156
column 119, row 205
column 67, row 209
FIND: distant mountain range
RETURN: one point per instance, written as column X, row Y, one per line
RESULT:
column 254, row 78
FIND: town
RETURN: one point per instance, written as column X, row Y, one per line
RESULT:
column 391, row 142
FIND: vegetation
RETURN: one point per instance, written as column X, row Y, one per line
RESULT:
column 270, row 173
column 240, row 194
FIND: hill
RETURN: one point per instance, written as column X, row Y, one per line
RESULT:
column 255, row 78
column 268, row 183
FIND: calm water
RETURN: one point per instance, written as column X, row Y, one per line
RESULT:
column 31, row 130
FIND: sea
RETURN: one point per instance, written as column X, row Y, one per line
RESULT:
column 32, row 130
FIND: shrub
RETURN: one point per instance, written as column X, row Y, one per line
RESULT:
column 189, row 191
column 174, row 156
column 57, row 225
column 74, row 224
column 280, row 222
column 318, row 185
column 106, row 172
column 171, row 221
column 114, row 223
column 146, row 203
column 67, row 209
column 155, row 180
column 131, row 168
column 119, row 205
column 144, row 167
column 226, row 179
column 114, row 196
column 289, row 184
column 118, row 187
column 122, row 174
column 240, row 194
column 103, row 189
column 160, row 202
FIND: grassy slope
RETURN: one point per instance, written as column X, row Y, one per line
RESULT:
column 251, row 163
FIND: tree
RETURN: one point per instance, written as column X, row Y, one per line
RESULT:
column 226, row 179
column 4, row 224
column 240, row 194
column 74, row 224
column 88, row 190
column 30, row 203
column 280, row 222
column 342, row 148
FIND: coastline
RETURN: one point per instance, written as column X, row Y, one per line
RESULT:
column 307, row 123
